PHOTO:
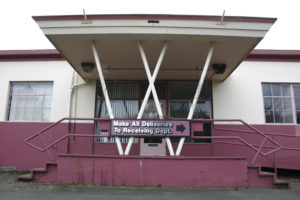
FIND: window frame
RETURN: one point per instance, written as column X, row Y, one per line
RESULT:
column 293, row 106
column 9, row 101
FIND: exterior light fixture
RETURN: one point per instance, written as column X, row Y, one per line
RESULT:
column 219, row 68
column 153, row 21
column 87, row 66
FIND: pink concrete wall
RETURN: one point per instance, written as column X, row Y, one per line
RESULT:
column 152, row 171
column 13, row 152
column 283, row 159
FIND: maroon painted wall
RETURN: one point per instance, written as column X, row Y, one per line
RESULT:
column 152, row 171
column 14, row 152
column 285, row 135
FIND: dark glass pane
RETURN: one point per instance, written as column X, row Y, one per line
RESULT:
column 182, row 90
column 278, row 116
column 176, row 139
column 276, row 90
column 179, row 109
column 206, row 90
column 298, row 117
column 202, row 110
column 156, row 140
column 297, row 103
column 285, row 90
column 268, row 103
column 266, row 89
column 187, row 89
column 296, row 90
column 160, row 88
column 277, row 103
column 269, row 117
column 206, row 132
column 288, row 116
column 287, row 104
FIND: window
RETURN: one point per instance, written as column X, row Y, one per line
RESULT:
column 175, row 98
column 281, row 102
column 124, row 99
column 296, row 92
column 181, row 96
column 30, row 101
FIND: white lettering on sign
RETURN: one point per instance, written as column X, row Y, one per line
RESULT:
column 121, row 123
column 145, row 128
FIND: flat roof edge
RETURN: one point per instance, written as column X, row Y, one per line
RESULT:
column 53, row 54
column 30, row 55
column 157, row 16
column 274, row 55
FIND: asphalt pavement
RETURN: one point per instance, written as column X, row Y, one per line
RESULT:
column 11, row 189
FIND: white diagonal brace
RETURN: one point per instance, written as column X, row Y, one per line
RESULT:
column 197, row 94
column 151, row 83
column 105, row 93
column 152, row 80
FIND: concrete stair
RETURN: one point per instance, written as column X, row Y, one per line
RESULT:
column 46, row 174
column 265, row 179
column 256, row 176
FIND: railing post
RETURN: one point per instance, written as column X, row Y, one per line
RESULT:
column 47, row 149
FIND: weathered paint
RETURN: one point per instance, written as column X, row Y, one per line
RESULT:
column 152, row 171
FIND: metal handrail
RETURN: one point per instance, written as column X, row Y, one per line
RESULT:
column 258, row 150
column 46, row 148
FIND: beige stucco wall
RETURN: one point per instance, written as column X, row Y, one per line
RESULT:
column 61, row 73
column 240, row 95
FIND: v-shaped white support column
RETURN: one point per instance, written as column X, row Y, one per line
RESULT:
column 151, row 88
column 197, row 94
column 105, row 93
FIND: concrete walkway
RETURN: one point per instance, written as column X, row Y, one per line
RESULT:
column 11, row 189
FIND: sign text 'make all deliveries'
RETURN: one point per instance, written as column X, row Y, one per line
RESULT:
column 150, row 128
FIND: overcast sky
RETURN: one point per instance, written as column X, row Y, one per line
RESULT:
column 19, row 31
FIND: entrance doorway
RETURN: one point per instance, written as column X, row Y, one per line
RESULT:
column 153, row 146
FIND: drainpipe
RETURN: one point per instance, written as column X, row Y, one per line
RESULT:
column 73, row 87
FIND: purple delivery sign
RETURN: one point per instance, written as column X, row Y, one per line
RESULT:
column 150, row 128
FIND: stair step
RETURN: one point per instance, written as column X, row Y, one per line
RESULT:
column 25, row 177
column 39, row 170
column 266, row 174
column 51, row 163
column 281, row 184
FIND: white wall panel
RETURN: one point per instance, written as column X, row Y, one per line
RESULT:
column 240, row 95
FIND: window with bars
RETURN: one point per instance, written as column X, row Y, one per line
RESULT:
column 30, row 101
column 281, row 102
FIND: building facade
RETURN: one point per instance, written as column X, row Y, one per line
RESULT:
column 58, row 107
